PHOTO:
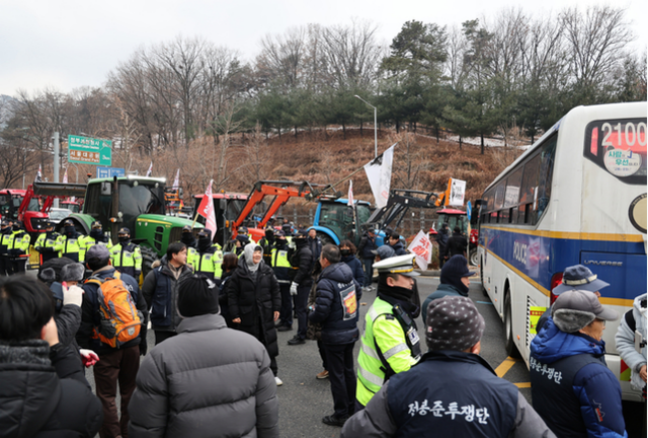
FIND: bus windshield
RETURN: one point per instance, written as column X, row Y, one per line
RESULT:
column 619, row 147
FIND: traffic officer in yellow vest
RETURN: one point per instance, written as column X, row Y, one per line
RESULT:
column 6, row 240
column 46, row 243
column 390, row 343
column 282, row 270
column 96, row 237
column 207, row 258
column 19, row 248
column 69, row 243
column 125, row 256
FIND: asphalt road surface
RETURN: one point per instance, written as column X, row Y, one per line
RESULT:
column 304, row 400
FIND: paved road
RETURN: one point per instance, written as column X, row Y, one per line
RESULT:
column 304, row 400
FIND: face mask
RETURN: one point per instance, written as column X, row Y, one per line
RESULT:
column 16, row 227
column 345, row 252
column 123, row 239
column 96, row 233
column 70, row 230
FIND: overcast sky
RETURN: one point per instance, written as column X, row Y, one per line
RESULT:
column 65, row 44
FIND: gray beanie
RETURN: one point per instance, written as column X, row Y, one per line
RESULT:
column 454, row 323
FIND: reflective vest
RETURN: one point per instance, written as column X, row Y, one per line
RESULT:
column 88, row 241
column 21, row 241
column 129, row 257
column 209, row 262
column 381, row 329
column 280, row 264
column 70, row 248
column 6, row 241
column 43, row 242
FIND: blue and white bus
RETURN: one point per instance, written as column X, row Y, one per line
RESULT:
column 578, row 195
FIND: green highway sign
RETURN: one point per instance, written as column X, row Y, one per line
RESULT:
column 86, row 150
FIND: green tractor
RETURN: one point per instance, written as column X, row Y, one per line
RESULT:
column 134, row 202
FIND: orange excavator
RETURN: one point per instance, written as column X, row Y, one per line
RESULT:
column 282, row 192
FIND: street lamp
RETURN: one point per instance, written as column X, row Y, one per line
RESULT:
column 375, row 125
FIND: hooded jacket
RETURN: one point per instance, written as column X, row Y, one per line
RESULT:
column 184, row 389
column 336, row 305
column 633, row 320
column 254, row 297
column 160, row 290
column 399, row 249
column 305, row 263
column 356, row 268
column 36, row 403
column 573, row 390
column 443, row 290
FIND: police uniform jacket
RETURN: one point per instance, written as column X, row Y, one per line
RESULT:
column 572, row 388
column 336, row 305
column 449, row 393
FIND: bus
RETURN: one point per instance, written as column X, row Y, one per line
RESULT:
column 576, row 196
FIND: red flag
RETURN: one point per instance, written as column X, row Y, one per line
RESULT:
column 206, row 210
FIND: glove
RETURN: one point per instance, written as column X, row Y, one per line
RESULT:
column 293, row 288
column 143, row 347
column 88, row 357
column 72, row 295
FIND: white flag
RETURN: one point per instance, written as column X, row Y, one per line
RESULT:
column 39, row 174
column 422, row 249
column 350, row 196
column 206, row 210
column 457, row 193
column 176, row 181
column 65, row 180
column 379, row 172
column 150, row 170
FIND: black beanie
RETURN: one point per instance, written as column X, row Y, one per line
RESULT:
column 197, row 295
column 454, row 270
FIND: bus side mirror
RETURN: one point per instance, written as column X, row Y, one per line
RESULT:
column 106, row 188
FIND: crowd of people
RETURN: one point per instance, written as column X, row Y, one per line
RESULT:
column 215, row 314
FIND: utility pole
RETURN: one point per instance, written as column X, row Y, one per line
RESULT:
column 56, row 164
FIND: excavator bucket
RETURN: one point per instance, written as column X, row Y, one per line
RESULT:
column 59, row 189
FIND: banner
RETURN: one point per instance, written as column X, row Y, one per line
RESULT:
column 65, row 180
column 422, row 249
column 350, row 196
column 150, row 170
column 379, row 172
column 457, row 193
column 206, row 210
column 176, row 181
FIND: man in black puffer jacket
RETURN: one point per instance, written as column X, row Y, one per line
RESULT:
column 301, row 284
column 336, row 308
column 35, row 402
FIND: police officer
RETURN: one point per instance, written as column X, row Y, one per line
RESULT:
column 267, row 243
column 282, row 269
column 6, row 240
column 301, row 285
column 188, row 237
column 19, row 248
column 96, row 237
column 207, row 259
column 452, row 391
column 125, row 256
column 70, row 243
column 390, row 343
column 46, row 243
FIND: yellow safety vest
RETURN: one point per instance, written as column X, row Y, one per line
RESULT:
column 126, row 259
column 43, row 242
column 383, row 329
column 207, row 262
column 70, row 246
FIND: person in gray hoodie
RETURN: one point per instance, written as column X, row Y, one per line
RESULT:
column 631, row 343
column 208, row 380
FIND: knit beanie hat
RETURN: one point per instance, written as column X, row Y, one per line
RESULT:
column 454, row 323
column 454, row 270
column 197, row 295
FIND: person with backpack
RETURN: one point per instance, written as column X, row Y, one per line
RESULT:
column 113, row 324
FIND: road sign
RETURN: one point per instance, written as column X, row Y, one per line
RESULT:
column 469, row 210
column 109, row 172
column 86, row 150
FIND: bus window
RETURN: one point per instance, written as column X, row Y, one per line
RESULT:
column 547, row 155
column 499, row 195
column 513, row 188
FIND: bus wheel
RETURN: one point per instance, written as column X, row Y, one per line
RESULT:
column 511, row 349
column 481, row 277
column 474, row 257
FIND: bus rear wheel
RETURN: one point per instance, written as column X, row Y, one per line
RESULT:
column 511, row 349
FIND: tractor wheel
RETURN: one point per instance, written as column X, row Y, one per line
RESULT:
column 325, row 238
column 148, row 257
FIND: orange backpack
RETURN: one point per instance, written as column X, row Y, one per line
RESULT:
column 120, row 320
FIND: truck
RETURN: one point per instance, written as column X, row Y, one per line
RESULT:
column 134, row 202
